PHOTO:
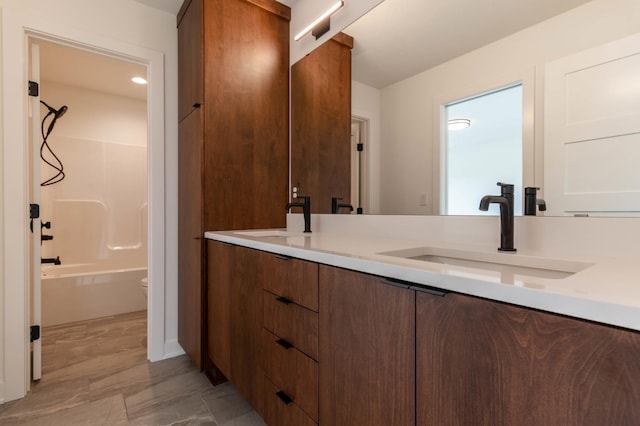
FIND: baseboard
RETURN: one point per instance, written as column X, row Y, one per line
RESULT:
column 172, row 349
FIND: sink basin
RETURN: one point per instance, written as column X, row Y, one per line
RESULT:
column 268, row 233
column 505, row 263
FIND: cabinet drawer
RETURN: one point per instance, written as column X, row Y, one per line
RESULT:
column 292, row 372
column 292, row 322
column 295, row 279
column 281, row 413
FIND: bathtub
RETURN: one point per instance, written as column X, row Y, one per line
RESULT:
column 81, row 292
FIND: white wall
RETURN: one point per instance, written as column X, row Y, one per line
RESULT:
column 132, row 24
column 407, row 108
column 365, row 104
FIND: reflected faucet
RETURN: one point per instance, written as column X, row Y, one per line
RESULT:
column 531, row 201
column 505, row 200
column 335, row 206
column 306, row 211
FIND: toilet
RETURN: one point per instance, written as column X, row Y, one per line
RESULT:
column 144, row 284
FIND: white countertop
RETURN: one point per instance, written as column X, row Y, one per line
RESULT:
column 605, row 290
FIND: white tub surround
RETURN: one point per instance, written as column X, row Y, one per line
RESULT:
column 600, row 254
column 81, row 292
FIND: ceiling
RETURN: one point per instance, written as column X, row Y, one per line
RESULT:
column 81, row 68
column 401, row 38
column 397, row 39
column 170, row 6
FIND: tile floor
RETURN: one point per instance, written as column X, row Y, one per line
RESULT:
column 96, row 373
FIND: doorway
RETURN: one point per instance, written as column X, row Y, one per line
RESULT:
column 16, row 30
column 89, row 177
column 359, row 149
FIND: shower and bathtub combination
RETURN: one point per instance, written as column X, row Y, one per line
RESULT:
column 98, row 213
column 95, row 278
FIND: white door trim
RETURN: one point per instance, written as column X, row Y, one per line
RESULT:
column 16, row 28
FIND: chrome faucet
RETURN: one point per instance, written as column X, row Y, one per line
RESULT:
column 505, row 200
column 335, row 206
column 306, row 211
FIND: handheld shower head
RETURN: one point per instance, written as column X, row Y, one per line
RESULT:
column 59, row 113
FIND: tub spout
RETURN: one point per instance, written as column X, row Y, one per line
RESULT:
column 54, row 260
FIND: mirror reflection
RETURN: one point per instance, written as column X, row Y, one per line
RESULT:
column 412, row 58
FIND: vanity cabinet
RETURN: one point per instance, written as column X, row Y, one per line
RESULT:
column 310, row 344
column 367, row 350
column 233, row 148
column 234, row 317
column 487, row 363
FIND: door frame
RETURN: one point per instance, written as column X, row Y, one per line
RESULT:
column 16, row 31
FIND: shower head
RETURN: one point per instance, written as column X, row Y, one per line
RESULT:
column 57, row 113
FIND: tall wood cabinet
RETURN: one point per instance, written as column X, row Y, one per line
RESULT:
column 321, row 123
column 233, row 68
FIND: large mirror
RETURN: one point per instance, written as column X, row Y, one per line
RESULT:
column 411, row 58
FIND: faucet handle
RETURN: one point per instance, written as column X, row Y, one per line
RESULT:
column 505, row 188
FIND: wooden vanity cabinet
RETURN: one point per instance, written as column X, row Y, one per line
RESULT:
column 482, row 362
column 367, row 350
column 233, row 148
column 234, row 317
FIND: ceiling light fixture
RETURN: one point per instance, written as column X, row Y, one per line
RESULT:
column 320, row 25
column 139, row 80
column 458, row 123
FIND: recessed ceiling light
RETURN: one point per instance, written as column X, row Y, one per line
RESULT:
column 458, row 123
column 139, row 80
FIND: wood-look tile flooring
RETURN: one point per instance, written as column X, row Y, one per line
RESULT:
column 96, row 373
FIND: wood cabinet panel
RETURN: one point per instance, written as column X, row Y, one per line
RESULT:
column 321, row 123
column 279, row 413
column 220, row 273
column 486, row 363
column 367, row 352
column 292, row 372
column 295, row 324
column 190, row 241
column 246, row 55
column 190, row 51
column 246, row 326
column 294, row 279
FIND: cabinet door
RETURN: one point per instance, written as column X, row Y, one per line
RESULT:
column 367, row 350
column 220, row 272
column 190, row 51
column 246, row 115
column 487, row 363
column 190, row 237
column 246, row 326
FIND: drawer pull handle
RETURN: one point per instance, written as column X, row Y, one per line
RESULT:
column 282, row 257
column 284, row 300
column 284, row 343
column 284, row 397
